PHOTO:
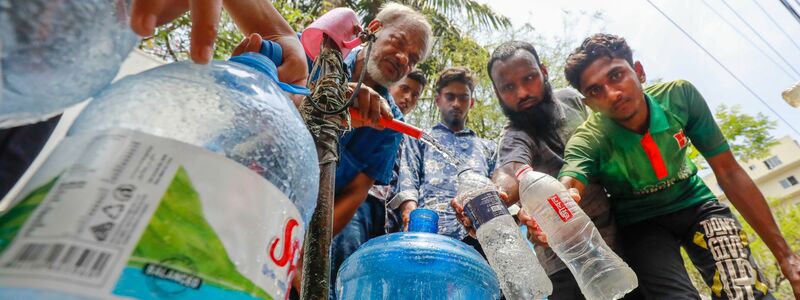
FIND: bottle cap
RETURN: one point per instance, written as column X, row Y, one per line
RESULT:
column 266, row 61
column 523, row 169
column 424, row 220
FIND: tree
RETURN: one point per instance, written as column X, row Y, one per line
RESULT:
column 749, row 136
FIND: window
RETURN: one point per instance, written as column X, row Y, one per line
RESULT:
column 788, row 182
column 772, row 162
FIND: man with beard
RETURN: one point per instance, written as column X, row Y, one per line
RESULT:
column 426, row 178
column 366, row 154
column 540, row 123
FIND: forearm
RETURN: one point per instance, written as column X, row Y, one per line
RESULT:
column 344, row 208
column 258, row 16
column 506, row 180
column 748, row 200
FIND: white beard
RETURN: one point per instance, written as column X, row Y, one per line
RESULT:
column 375, row 72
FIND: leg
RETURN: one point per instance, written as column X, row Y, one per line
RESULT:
column 653, row 252
column 719, row 250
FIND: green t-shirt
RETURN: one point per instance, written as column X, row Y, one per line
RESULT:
column 648, row 175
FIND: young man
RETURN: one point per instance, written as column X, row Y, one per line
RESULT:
column 426, row 178
column 635, row 145
column 406, row 93
column 540, row 123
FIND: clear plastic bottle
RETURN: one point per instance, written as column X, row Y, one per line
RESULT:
column 418, row 264
column 518, row 270
column 56, row 53
column 160, row 184
column 600, row 273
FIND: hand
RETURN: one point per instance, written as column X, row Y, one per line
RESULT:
column 575, row 194
column 406, row 209
column 147, row 14
column 535, row 233
column 462, row 217
column 790, row 267
column 290, row 71
column 371, row 106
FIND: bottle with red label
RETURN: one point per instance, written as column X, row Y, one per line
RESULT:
column 600, row 273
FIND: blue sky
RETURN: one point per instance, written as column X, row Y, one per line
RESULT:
column 667, row 53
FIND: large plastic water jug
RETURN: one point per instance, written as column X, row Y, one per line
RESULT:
column 418, row 264
column 189, row 181
column 55, row 53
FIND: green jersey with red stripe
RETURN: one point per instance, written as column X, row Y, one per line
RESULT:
column 648, row 175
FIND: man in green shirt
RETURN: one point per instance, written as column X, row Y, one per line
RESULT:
column 635, row 146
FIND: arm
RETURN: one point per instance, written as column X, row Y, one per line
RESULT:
column 408, row 181
column 349, row 199
column 260, row 16
column 748, row 200
column 506, row 181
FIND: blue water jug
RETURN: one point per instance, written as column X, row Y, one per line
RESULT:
column 418, row 264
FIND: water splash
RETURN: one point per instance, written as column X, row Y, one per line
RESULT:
column 449, row 156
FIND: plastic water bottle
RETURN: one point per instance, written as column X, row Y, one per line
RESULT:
column 600, row 273
column 519, row 272
column 418, row 264
column 186, row 179
column 55, row 53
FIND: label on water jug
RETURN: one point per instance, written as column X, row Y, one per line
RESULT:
column 484, row 207
column 123, row 213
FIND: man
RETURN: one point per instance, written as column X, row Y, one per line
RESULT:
column 635, row 145
column 406, row 94
column 540, row 123
column 426, row 178
column 367, row 155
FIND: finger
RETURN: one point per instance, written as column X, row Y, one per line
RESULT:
column 573, row 192
column 375, row 108
column 205, row 18
column 386, row 111
column 294, row 69
column 363, row 102
column 503, row 196
column 241, row 46
column 144, row 15
column 255, row 43
column 455, row 206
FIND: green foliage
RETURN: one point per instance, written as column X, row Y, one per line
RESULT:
column 749, row 136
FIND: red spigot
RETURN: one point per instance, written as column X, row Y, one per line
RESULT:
column 396, row 125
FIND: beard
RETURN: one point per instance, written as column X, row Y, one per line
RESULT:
column 539, row 121
column 375, row 72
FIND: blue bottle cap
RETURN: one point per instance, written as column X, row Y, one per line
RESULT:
column 266, row 61
column 424, row 220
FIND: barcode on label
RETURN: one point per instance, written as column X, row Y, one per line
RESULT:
column 65, row 259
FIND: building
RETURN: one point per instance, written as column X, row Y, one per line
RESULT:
column 777, row 175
